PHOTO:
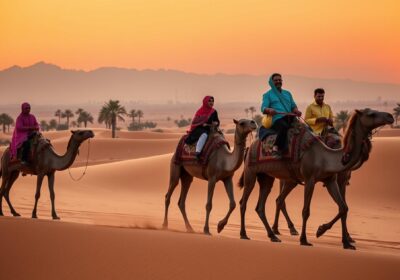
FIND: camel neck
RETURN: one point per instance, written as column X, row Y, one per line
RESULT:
column 66, row 160
column 238, row 151
column 354, row 146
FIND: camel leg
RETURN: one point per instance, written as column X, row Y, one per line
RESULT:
column 265, row 183
column 50, row 179
column 249, row 182
column 285, row 189
column 37, row 194
column 186, row 181
column 2, row 191
column 342, row 189
column 333, row 190
column 211, row 186
column 232, row 204
column 13, row 176
column 308, row 192
column 175, row 171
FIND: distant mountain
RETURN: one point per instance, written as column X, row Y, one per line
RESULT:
column 44, row 83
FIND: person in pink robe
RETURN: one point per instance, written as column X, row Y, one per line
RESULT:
column 25, row 125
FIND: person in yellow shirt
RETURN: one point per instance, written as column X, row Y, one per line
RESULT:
column 319, row 114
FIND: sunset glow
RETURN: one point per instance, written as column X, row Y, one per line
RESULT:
column 330, row 39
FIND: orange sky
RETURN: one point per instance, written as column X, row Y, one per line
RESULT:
column 331, row 39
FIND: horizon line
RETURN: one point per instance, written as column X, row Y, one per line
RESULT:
column 193, row 73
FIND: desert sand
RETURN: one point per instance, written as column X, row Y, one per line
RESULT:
column 111, row 220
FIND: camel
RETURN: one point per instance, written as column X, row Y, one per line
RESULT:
column 343, row 180
column 45, row 163
column 318, row 163
column 221, row 167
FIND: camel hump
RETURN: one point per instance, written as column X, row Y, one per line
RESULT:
column 38, row 144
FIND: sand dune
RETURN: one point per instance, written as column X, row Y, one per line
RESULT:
column 74, row 251
column 124, row 187
column 388, row 133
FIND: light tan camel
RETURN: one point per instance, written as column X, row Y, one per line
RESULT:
column 318, row 163
column 45, row 163
column 221, row 167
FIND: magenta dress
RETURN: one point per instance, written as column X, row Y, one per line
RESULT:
column 23, row 128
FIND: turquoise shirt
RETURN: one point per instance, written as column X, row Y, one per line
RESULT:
column 279, row 101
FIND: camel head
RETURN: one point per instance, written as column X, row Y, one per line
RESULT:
column 81, row 135
column 372, row 119
column 245, row 126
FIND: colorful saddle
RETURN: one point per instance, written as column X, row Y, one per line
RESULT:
column 298, row 141
column 186, row 154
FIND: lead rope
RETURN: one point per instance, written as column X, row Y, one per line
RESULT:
column 84, row 171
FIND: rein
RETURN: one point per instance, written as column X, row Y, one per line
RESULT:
column 84, row 171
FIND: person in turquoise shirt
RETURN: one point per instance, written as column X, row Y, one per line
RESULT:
column 276, row 102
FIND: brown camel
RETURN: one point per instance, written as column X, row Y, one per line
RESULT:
column 318, row 163
column 343, row 180
column 45, row 163
column 221, row 167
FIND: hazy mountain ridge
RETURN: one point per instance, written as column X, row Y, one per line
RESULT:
column 44, row 83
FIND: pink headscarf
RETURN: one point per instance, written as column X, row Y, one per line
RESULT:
column 25, row 124
column 203, row 114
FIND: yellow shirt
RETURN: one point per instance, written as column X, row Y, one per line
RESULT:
column 315, row 111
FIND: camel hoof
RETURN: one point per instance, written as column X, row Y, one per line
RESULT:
column 16, row 214
column 275, row 239
column 244, row 237
column 293, row 231
column 56, row 218
column 34, row 216
column 206, row 231
column 189, row 230
column 276, row 231
column 305, row 243
column 351, row 240
column 321, row 230
column 164, row 226
column 348, row 246
column 221, row 226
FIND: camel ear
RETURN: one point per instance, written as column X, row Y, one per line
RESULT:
column 235, row 121
column 359, row 111
column 73, row 131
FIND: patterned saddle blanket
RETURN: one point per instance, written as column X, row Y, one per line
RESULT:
column 298, row 141
column 187, row 153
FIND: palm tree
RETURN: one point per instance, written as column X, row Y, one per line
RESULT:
column 341, row 119
column 247, row 112
column 104, row 116
column 252, row 109
column 139, row 115
column 44, row 125
column 396, row 113
column 79, row 111
column 110, row 113
column 6, row 120
column 67, row 114
column 84, row 117
column 74, row 124
column 52, row 124
column 132, row 114
column 58, row 114
column 3, row 121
